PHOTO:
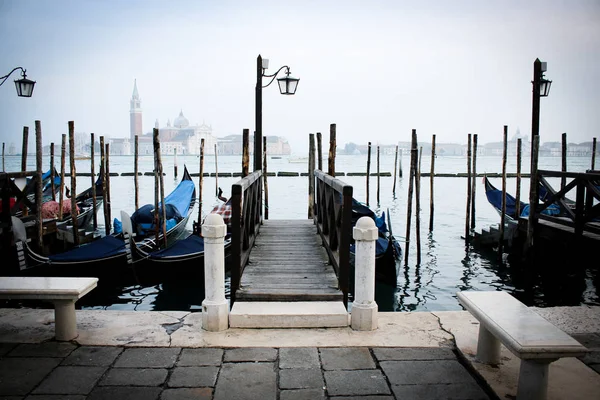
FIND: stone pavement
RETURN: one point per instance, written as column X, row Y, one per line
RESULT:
column 55, row 370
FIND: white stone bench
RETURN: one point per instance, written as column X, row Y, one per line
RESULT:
column 63, row 292
column 533, row 339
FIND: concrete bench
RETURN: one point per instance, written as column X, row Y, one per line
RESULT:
column 537, row 342
column 63, row 292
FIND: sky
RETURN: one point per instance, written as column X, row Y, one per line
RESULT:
column 377, row 69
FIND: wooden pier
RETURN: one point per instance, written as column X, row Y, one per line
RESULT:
column 289, row 263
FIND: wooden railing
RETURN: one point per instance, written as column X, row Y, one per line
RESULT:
column 246, row 204
column 333, row 217
column 579, row 213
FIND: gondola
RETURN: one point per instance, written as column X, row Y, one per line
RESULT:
column 110, row 253
column 387, row 248
column 85, row 205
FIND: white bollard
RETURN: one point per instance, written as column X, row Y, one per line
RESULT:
column 364, row 307
column 215, row 310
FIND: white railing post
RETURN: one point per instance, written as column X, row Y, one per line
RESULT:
column 364, row 307
column 215, row 310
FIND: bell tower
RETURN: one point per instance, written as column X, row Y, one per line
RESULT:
column 135, row 113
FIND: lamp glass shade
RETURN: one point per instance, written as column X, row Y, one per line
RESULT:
column 545, row 87
column 288, row 84
column 24, row 87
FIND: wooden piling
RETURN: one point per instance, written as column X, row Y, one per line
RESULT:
column 503, row 207
column 93, row 179
column 518, row 183
column 311, row 178
column 474, row 181
column 175, row 163
column 533, row 194
column 265, row 184
column 200, row 186
column 107, row 177
column 73, row 182
column 468, row 212
column 418, row 207
column 217, row 172
column 163, row 207
column 24, row 150
column 593, row 154
column 368, row 170
column 395, row 165
column 104, row 196
column 3, row 167
column 38, row 187
column 52, row 175
column 319, row 151
column 431, row 178
column 63, row 151
column 135, row 172
column 378, row 176
column 411, row 180
column 332, row 146
column 563, row 180
column 245, row 152
column 400, row 164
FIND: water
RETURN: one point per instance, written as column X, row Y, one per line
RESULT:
column 447, row 265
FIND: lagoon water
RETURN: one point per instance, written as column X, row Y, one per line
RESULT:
column 447, row 264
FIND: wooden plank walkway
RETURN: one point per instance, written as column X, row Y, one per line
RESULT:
column 288, row 263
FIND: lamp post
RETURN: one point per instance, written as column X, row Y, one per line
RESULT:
column 24, row 86
column 287, row 86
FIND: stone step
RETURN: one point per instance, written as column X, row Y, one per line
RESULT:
column 290, row 314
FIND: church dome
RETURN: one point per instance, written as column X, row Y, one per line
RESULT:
column 181, row 121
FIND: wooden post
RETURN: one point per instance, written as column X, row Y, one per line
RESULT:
column 245, row 152
column 266, row 214
column 135, row 172
column 3, row 167
column 175, row 162
column 395, row 165
column 474, row 181
column 104, row 196
column 107, row 178
column 400, row 164
column 311, row 177
column 468, row 213
column 200, row 185
column 563, row 180
column 533, row 195
column 411, row 180
column 156, row 149
column 52, row 175
column 93, row 173
column 378, row 176
column 24, row 150
column 38, row 192
column 431, row 178
column 319, row 152
column 161, row 186
column 73, row 183
column 518, row 183
column 217, row 172
column 593, row 154
column 418, row 207
column 63, row 151
column 368, row 169
column 332, row 145
column 503, row 208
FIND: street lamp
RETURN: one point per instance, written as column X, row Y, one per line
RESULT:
column 287, row 85
column 24, row 86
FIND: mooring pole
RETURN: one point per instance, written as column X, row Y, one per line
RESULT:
column 245, row 152
column 395, row 168
column 63, row 156
column 93, row 173
column 200, row 185
column 378, row 176
column 431, row 179
column 217, row 171
column 175, row 162
column 311, row 177
column 368, row 169
column 468, row 212
column 474, row 181
column 107, row 199
column 52, row 174
column 73, row 183
column 503, row 213
column 38, row 192
column 518, row 189
column 104, row 196
column 24, row 150
column 411, row 181
column 332, row 145
column 319, row 151
column 418, row 207
column 563, row 180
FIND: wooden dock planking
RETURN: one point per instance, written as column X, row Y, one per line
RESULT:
column 288, row 263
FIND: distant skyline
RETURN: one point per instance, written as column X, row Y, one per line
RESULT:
column 376, row 69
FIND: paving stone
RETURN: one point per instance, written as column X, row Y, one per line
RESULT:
column 200, row 357
column 300, row 378
column 356, row 383
column 299, row 357
column 93, row 356
column 247, row 381
column 70, row 380
column 305, row 394
column 453, row 391
column 124, row 393
column 193, row 377
column 21, row 375
column 425, row 372
column 134, row 377
column 54, row 397
column 346, row 358
column 47, row 349
column 250, row 354
column 366, row 398
column 162, row 357
column 15, row 397
column 187, row 394
column 402, row 354
column 5, row 348
column 589, row 340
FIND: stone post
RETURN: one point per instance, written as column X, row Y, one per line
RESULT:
column 215, row 310
column 364, row 308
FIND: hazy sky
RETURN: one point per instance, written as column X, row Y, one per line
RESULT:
column 377, row 69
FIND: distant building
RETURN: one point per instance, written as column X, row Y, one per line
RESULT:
column 232, row 144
